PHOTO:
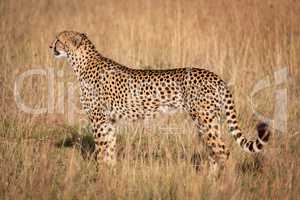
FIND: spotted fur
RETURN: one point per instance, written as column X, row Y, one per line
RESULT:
column 110, row 92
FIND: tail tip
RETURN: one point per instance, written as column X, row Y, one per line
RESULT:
column 263, row 131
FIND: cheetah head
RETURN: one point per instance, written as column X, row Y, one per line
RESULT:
column 66, row 43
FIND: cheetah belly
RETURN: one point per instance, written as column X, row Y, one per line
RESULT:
column 138, row 107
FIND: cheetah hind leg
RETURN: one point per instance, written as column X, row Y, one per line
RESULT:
column 218, row 154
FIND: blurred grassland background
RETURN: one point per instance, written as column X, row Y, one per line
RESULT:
column 244, row 41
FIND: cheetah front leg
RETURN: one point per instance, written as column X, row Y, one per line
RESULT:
column 105, row 140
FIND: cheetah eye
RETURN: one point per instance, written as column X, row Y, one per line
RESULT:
column 58, row 41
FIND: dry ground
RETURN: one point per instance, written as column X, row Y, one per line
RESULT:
column 244, row 41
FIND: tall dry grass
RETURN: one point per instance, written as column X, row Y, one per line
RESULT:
column 243, row 41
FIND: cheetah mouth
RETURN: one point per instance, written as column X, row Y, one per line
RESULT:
column 59, row 54
column 55, row 52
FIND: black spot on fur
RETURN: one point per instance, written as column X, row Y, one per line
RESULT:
column 258, row 144
column 243, row 141
column 263, row 133
column 251, row 147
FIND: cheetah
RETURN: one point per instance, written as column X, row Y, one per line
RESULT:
column 111, row 92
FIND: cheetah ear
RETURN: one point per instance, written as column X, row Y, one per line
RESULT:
column 78, row 39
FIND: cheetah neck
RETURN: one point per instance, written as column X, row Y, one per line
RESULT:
column 84, row 59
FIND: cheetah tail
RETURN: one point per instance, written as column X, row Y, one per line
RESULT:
column 252, row 146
